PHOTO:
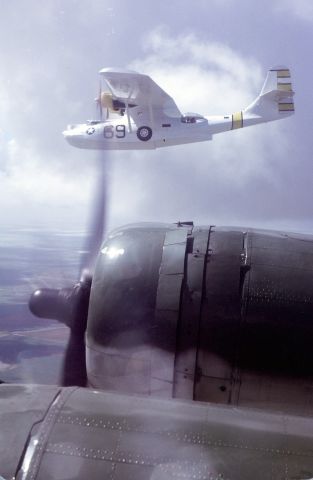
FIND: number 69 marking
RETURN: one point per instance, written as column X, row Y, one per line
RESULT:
column 119, row 132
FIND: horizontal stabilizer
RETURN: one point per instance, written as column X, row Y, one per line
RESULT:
column 276, row 97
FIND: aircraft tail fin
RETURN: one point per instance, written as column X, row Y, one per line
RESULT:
column 276, row 98
column 274, row 102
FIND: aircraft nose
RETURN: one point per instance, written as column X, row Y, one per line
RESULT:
column 69, row 131
column 68, row 135
column 72, row 135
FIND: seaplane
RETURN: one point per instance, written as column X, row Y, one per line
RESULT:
column 137, row 114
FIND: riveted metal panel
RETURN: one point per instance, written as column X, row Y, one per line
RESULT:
column 167, row 311
column 168, row 293
column 263, row 390
column 279, row 285
column 271, row 239
column 40, row 436
column 178, row 235
column 188, row 327
column 163, row 354
column 275, row 355
column 104, row 435
column 21, row 407
column 217, row 376
column 173, row 259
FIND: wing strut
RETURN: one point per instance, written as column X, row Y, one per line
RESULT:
column 127, row 110
column 151, row 115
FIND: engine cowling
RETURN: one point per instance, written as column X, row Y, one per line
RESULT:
column 208, row 313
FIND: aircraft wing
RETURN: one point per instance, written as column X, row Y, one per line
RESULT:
column 52, row 433
column 137, row 89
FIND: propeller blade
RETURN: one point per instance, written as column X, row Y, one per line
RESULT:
column 74, row 371
column 100, row 102
column 97, row 221
column 70, row 305
column 74, row 365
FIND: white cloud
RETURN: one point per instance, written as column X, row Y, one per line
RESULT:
column 31, row 185
column 4, row 367
column 211, row 78
column 42, row 174
column 199, row 180
column 302, row 9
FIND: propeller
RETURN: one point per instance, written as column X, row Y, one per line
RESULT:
column 103, row 101
column 98, row 101
column 70, row 305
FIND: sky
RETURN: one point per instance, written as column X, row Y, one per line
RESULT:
column 211, row 56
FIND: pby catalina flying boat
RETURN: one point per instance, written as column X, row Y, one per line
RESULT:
column 136, row 114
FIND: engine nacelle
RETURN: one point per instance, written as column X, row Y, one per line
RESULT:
column 206, row 313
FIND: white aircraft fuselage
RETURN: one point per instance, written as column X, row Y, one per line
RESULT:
column 141, row 116
column 116, row 134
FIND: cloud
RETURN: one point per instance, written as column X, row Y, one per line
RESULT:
column 302, row 9
column 6, row 366
column 210, row 78
column 38, row 188
column 213, row 181
column 219, row 181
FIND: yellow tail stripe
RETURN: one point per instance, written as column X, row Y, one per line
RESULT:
column 284, row 86
column 283, row 73
column 286, row 107
column 237, row 120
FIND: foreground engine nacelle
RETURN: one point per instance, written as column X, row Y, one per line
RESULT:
column 207, row 313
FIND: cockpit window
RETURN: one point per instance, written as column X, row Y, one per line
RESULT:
column 188, row 119
column 191, row 118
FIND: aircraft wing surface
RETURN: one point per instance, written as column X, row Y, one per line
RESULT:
column 52, row 433
column 135, row 88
